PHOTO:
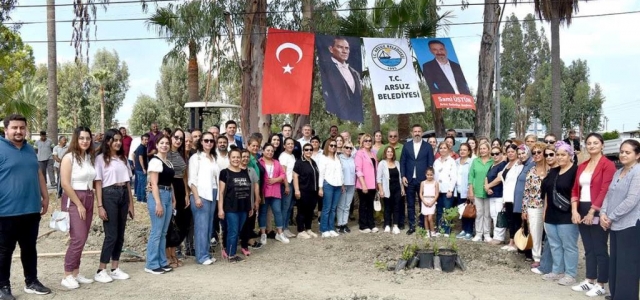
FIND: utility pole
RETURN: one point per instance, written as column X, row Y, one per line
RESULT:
column 498, row 84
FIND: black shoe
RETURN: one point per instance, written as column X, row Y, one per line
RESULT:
column 271, row 235
column 167, row 268
column 410, row 231
column 401, row 227
column 352, row 218
column 256, row 245
column 236, row 259
column 5, row 293
column 158, row 271
column 346, row 229
column 37, row 288
column 607, row 297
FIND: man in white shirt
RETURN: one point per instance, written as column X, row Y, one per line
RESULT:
column 58, row 152
column 443, row 75
column 306, row 135
column 222, row 157
column 231, row 126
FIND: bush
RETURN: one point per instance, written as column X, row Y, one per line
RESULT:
column 612, row 135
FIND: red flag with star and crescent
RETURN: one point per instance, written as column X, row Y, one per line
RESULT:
column 286, row 78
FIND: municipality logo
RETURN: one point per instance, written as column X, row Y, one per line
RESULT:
column 389, row 57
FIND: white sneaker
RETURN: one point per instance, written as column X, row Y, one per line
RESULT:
column 333, row 233
column 596, row 290
column 70, row 282
column 312, row 234
column 536, row 271
column 103, row 276
column 280, row 237
column 583, row 286
column 289, row 234
column 326, row 234
column 461, row 235
column 567, row 280
column 119, row 274
column 387, row 229
column 304, row 235
column 263, row 239
column 208, row 262
column 374, row 229
column 505, row 247
column 83, row 280
column 512, row 248
column 488, row 239
column 395, row 230
column 552, row 277
column 477, row 238
column 366, row 230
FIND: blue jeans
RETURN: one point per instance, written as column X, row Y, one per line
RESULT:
column 235, row 221
column 276, row 208
column 287, row 205
column 141, row 186
column 156, row 255
column 330, row 199
column 344, row 204
column 442, row 204
column 203, row 226
column 546, row 259
column 563, row 243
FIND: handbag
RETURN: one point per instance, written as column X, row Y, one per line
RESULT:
column 60, row 219
column 523, row 239
column 377, row 206
column 560, row 201
column 501, row 220
column 461, row 208
column 173, row 234
column 469, row 211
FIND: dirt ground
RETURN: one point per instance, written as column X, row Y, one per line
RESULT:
column 336, row 268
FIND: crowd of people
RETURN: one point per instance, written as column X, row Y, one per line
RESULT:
column 203, row 187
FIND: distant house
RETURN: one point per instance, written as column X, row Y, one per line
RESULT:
column 633, row 134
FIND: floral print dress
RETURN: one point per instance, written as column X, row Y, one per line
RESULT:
column 532, row 197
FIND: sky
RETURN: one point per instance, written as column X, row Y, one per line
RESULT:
column 606, row 42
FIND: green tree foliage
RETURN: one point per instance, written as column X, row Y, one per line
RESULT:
column 115, row 86
column 611, row 135
column 146, row 111
column 16, row 61
column 6, row 6
column 170, row 92
column 74, row 96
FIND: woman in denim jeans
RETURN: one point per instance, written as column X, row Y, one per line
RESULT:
column 203, row 182
column 274, row 177
column 287, row 161
column 330, row 181
column 113, row 192
column 463, row 165
column 234, row 201
column 562, row 234
column 348, row 188
column 160, row 203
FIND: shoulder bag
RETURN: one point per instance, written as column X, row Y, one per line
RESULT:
column 560, row 201
column 522, row 238
column 60, row 219
column 469, row 210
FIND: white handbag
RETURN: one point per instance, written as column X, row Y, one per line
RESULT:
column 60, row 219
column 377, row 206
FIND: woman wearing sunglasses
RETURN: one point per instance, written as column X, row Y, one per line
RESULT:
column 348, row 188
column 306, row 189
column 331, row 181
column 366, row 183
column 494, row 188
column 180, row 191
column 532, row 202
column 203, row 181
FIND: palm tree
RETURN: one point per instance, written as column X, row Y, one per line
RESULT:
column 556, row 12
column 22, row 102
column 52, row 76
column 190, row 25
column 101, row 77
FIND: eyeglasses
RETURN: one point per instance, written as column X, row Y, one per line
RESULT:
column 308, row 150
column 179, row 138
column 347, row 148
column 206, row 141
column 332, row 145
column 550, row 142
column 367, row 141
column 549, row 155
column 536, row 152
column 495, row 153
column 393, row 136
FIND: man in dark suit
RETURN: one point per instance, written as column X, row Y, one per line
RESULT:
column 417, row 156
column 443, row 76
column 341, row 86
column 575, row 143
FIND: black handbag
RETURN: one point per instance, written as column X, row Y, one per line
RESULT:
column 502, row 221
column 560, row 201
column 173, row 234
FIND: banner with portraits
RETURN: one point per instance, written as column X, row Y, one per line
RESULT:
column 442, row 71
column 393, row 79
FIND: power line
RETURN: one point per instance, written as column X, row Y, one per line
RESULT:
column 387, row 27
column 72, row 4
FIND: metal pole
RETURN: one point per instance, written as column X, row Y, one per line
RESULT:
column 498, row 85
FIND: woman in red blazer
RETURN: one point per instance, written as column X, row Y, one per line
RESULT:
column 590, row 188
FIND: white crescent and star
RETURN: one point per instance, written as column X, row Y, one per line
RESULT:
column 288, row 68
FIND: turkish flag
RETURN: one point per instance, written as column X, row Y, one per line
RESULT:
column 286, row 78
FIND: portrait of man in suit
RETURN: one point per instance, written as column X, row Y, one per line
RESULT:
column 443, row 75
column 341, row 86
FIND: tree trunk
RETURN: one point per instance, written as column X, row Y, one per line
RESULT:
column 52, row 73
column 307, row 17
column 375, row 118
column 192, row 79
column 438, row 120
column 486, row 68
column 102, row 109
column 403, row 126
column 556, row 76
column 252, row 61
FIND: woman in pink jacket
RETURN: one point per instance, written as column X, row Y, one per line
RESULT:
column 274, row 177
column 366, row 183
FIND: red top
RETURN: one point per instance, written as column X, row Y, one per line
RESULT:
column 600, row 180
column 126, row 144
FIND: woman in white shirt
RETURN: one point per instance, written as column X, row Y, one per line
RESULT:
column 389, row 180
column 446, row 174
column 287, row 161
column 348, row 188
column 77, row 173
column 463, row 165
column 330, row 173
column 203, row 181
column 509, row 177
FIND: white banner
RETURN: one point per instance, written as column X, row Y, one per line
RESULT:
column 393, row 79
